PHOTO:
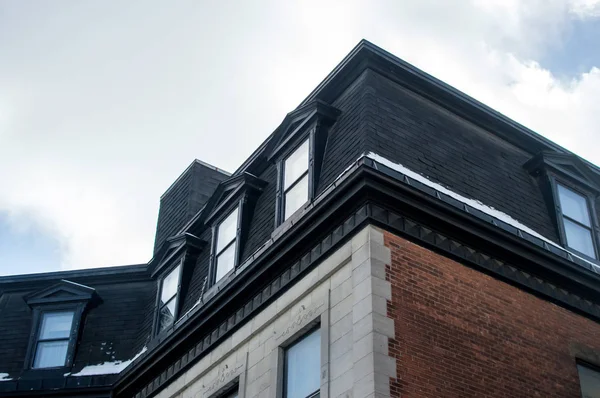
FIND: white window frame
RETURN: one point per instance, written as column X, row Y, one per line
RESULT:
column 278, row 361
column 160, row 306
column 235, row 242
column 67, row 339
column 281, row 215
column 562, row 216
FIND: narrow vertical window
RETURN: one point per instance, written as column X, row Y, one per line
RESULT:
column 295, row 180
column 302, row 367
column 53, row 339
column 589, row 381
column 576, row 221
column 168, row 299
column 226, row 245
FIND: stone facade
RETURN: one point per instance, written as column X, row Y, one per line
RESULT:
column 347, row 296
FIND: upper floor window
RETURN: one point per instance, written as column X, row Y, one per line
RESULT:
column 576, row 221
column 58, row 311
column 302, row 367
column 169, row 297
column 226, row 244
column 296, row 180
column 53, row 338
column 589, row 381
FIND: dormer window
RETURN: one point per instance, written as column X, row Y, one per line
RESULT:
column 53, row 338
column 169, row 299
column 576, row 221
column 296, row 180
column 226, row 237
column 231, row 209
column 298, row 149
column 570, row 187
column 58, row 311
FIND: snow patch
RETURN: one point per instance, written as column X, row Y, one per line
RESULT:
column 107, row 368
column 4, row 377
column 468, row 201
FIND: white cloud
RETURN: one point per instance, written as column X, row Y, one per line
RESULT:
column 585, row 8
column 102, row 107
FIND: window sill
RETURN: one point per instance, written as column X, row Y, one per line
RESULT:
column 292, row 220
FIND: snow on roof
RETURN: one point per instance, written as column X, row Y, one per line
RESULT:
column 476, row 204
column 196, row 304
column 107, row 368
column 4, row 377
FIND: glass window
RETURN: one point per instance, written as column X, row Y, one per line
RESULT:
column 53, row 339
column 295, row 180
column 226, row 245
column 303, row 367
column 579, row 238
column 576, row 221
column 296, row 196
column 168, row 299
column 589, row 380
column 227, row 230
column 225, row 262
column 574, row 205
column 296, row 165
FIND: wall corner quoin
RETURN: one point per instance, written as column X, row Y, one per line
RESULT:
column 370, row 257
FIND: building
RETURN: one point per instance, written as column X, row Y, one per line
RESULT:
column 392, row 237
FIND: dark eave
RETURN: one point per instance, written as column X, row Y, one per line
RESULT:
column 64, row 387
column 85, row 276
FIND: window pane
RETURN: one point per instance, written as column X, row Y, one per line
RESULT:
column 579, row 238
column 296, row 197
column 227, row 230
column 167, row 315
column 56, row 325
column 51, row 354
column 295, row 165
column 574, row 205
column 589, row 381
column 169, row 286
column 225, row 261
column 303, row 366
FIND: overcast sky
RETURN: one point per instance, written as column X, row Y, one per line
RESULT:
column 104, row 103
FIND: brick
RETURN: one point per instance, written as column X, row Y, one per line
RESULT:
column 461, row 333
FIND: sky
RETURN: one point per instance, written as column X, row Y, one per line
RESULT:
column 104, row 103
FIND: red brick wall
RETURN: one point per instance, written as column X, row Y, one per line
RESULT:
column 461, row 333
